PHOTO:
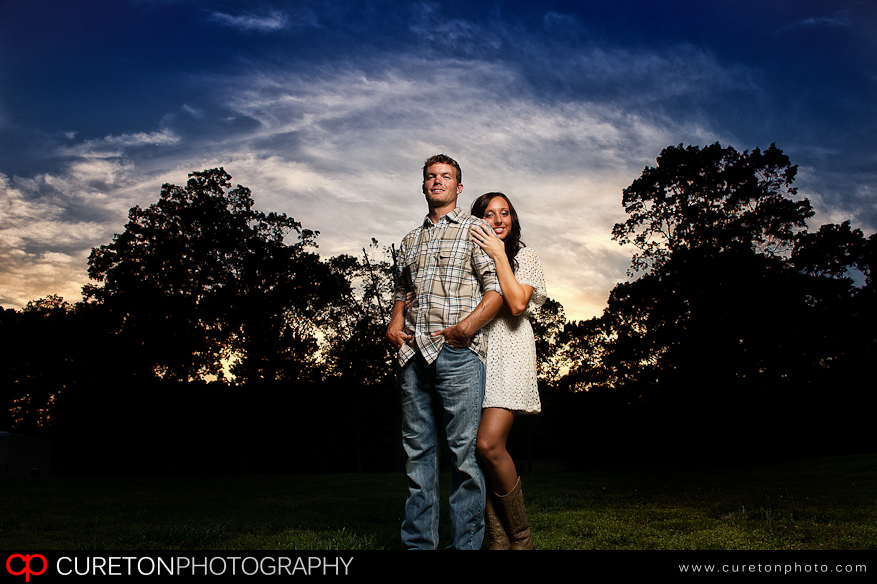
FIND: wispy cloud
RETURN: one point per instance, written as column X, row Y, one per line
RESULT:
column 250, row 22
column 110, row 146
column 841, row 18
column 432, row 22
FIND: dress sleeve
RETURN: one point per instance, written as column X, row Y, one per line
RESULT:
column 529, row 273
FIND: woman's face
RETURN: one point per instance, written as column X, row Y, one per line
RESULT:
column 498, row 216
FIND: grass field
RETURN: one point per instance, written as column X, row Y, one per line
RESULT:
column 823, row 504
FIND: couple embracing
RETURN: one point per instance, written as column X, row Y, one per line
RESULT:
column 464, row 289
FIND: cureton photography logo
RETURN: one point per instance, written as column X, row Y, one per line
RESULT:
column 78, row 564
column 12, row 565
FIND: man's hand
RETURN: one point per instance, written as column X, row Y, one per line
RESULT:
column 454, row 336
column 460, row 335
column 398, row 338
column 397, row 334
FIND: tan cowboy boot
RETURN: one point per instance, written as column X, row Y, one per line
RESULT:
column 514, row 518
column 498, row 538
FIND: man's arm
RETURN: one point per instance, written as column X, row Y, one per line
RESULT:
column 396, row 333
column 461, row 333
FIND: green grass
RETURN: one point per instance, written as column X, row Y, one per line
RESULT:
column 818, row 504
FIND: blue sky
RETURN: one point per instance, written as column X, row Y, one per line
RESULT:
column 326, row 110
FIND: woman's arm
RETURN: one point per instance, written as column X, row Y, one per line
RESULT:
column 515, row 295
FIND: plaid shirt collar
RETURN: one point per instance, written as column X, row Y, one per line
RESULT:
column 453, row 216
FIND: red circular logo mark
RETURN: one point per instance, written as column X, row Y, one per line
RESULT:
column 26, row 570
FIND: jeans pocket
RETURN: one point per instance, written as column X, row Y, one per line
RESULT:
column 457, row 351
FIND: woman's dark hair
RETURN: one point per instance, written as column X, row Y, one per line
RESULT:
column 513, row 242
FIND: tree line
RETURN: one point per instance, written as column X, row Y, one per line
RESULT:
column 213, row 337
column 208, row 341
column 745, row 336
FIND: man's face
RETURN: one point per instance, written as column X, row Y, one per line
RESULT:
column 441, row 187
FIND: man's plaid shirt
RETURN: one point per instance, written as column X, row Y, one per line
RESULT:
column 449, row 275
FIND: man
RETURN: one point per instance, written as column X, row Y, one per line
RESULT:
column 441, row 352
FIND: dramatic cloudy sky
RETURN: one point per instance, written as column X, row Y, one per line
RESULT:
column 327, row 109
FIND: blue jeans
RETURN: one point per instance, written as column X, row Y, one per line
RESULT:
column 450, row 390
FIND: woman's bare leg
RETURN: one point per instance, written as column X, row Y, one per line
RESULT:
column 496, row 423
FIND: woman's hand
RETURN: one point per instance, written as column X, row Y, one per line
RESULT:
column 488, row 241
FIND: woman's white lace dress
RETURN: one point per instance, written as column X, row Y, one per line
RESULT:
column 511, row 348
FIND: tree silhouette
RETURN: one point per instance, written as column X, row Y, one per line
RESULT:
column 739, row 313
column 548, row 323
column 831, row 251
column 714, row 198
column 177, row 283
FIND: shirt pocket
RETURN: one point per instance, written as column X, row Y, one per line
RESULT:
column 452, row 269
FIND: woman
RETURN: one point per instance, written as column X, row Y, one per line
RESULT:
column 511, row 367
